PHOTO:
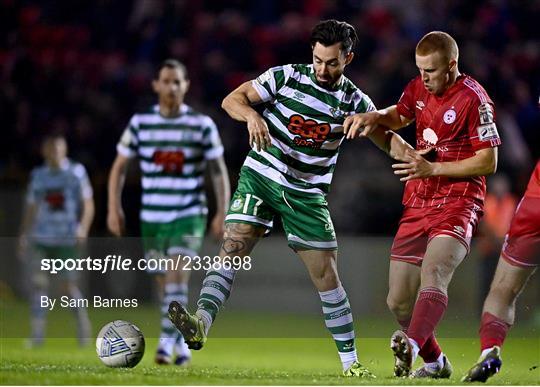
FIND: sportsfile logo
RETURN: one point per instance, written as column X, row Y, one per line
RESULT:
column 112, row 263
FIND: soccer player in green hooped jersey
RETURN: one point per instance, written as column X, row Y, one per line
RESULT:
column 287, row 173
column 175, row 145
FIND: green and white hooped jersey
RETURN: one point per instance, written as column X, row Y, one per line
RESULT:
column 305, row 122
column 172, row 153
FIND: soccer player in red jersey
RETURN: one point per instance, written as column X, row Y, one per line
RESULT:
column 456, row 147
column 519, row 259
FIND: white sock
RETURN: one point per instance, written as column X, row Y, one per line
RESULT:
column 168, row 334
column 166, row 344
column 486, row 351
column 181, row 348
column 206, row 319
column 347, row 358
column 415, row 348
column 436, row 365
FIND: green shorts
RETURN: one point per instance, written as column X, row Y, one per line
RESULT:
column 60, row 252
column 182, row 236
column 305, row 217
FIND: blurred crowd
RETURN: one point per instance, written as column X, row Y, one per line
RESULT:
column 83, row 68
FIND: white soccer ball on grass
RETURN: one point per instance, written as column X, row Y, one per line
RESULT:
column 120, row 344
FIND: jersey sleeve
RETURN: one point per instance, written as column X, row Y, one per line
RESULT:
column 84, row 182
column 271, row 81
column 481, row 124
column 407, row 101
column 364, row 104
column 212, row 146
column 129, row 143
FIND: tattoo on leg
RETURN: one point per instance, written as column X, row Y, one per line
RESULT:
column 231, row 245
column 240, row 238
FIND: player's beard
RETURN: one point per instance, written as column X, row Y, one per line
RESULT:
column 326, row 82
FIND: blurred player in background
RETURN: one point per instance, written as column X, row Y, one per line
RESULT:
column 456, row 139
column 287, row 173
column 58, row 214
column 175, row 145
column 519, row 259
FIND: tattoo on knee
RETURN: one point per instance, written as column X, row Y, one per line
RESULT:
column 240, row 238
column 231, row 245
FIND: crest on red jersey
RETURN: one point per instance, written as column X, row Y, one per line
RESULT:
column 449, row 116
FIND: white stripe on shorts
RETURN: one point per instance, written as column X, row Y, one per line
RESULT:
column 250, row 218
column 316, row 244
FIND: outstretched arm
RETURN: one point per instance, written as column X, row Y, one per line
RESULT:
column 390, row 142
column 222, row 192
column 238, row 106
column 366, row 123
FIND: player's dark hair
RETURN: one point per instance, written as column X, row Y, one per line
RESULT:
column 329, row 32
column 53, row 136
column 172, row 64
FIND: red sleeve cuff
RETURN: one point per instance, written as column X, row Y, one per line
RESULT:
column 404, row 111
column 487, row 144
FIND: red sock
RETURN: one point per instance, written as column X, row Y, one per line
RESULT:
column 428, row 311
column 404, row 324
column 431, row 350
column 492, row 331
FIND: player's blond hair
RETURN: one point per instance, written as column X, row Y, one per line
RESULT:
column 438, row 41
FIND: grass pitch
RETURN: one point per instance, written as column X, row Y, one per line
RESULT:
column 246, row 359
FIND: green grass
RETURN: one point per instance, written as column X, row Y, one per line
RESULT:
column 250, row 359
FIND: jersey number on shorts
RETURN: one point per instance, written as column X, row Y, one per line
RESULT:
column 255, row 207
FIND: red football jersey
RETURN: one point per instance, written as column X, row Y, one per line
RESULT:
column 456, row 124
column 533, row 189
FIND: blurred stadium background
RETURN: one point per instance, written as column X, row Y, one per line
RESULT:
column 83, row 68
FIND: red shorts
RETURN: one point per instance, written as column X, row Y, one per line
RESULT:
column 522, row 244
column 418, row 226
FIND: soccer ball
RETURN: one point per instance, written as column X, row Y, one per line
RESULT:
column 120, row 344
